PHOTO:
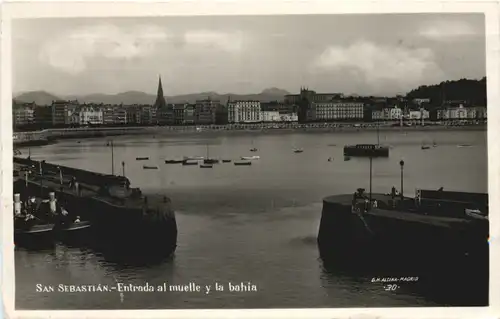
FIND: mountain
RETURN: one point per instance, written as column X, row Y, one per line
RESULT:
column 136, row 97
column 39, row 97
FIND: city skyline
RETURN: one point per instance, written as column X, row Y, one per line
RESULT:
column 352, row 54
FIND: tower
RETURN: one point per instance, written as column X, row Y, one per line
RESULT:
column 160, row 98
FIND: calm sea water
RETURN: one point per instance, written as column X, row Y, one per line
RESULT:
column 254, row 224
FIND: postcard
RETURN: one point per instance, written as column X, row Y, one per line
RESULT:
column 250, row 159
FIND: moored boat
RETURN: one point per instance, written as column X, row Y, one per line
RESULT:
column 149, row 167
column 366, row 150
column 206, row 165
column 189, row 162
column 173, row 161
column 226, row 161
column 243, row 163
column 250, row 158
column 298, row 150
column 142, row 158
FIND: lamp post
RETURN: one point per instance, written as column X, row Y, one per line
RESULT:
column 112, row 159
column 402, row 164
column 371, row 159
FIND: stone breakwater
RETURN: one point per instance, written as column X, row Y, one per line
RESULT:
column 50, row 135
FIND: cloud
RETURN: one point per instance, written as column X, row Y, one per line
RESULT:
column 446, row 30
column 229, row 42
column 379, row 66
column 70, row 51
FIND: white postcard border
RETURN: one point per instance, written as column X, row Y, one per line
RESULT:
column 245, row 7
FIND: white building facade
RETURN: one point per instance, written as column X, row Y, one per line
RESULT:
column 271, row 116
column 90, row 115
column 244, row 112
column 341, row 110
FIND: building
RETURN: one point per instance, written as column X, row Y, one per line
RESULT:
column 119, row 115
column 421, row 114
column 271, row 116
column 189, row 114
column 108, row 115
column 393, row 113
column 63, row 112
column 43, row 116
column 165, row 115
column 244, row 112
column 290, row 117
column 90, row 115
column 160, row 98
column 205, row 111
column 179, row 110
column 133, row 115
column 378, row 115
column 148, row 115
column 339, row 110
column 312, row 96
column 23, row 114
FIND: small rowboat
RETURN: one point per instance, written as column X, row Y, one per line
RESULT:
column 246, row 163
column 173, row 161
column 206, row 166
column 142, row 158
column 149, row 167
column 189, row 163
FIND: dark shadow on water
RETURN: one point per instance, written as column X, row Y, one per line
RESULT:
column 455, row 283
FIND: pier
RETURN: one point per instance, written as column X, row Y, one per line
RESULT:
column 118, row 213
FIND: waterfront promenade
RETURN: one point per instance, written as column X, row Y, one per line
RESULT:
column 91, row 132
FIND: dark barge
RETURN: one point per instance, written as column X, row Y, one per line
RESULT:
column 366, row 150
column 118, row 214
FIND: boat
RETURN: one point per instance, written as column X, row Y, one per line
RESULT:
column 206, row 166
column 142, row 158
column 253, row 149
column 243, row 163
column 425, row 147
column 298, row 150
column 347, row 158
column 226, row 161
column 464, row 145
column 149, row 167
column 330, row 159
column 173, row 161
column 250, row 158
column 476, row 213
column 209, row 160
column 193, row 158
column 189, row 162
column 366, row 150
column 434, row 144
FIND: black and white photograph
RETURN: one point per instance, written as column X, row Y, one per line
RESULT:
column 250, row 161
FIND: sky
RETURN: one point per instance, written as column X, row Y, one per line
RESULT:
column 366, row 54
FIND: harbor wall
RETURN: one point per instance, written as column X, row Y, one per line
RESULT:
column 344, row 234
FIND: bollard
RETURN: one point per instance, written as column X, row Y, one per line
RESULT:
column 17, row 204
column 52, row 202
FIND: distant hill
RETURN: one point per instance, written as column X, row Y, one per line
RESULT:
column 39, row 97
column 136, row 97
column 463, row 89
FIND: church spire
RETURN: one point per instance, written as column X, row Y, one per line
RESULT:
column 160, row 98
